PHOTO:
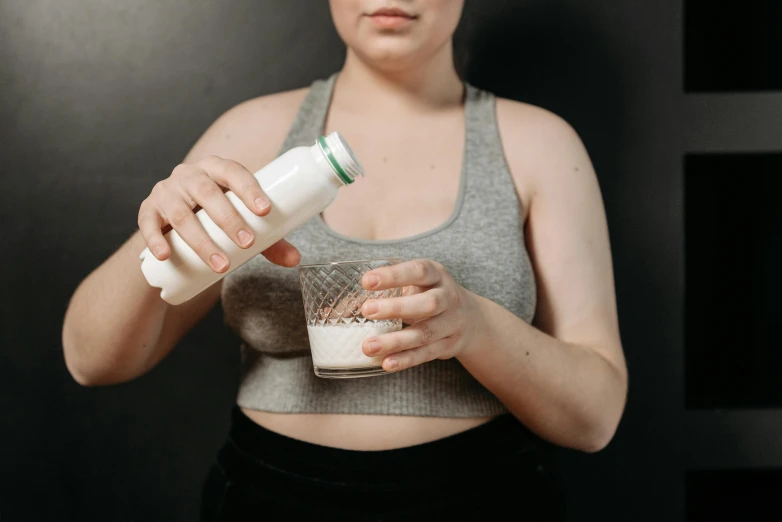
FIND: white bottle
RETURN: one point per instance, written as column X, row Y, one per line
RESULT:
column 300, row 184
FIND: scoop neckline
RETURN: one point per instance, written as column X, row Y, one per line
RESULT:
column 459, row 195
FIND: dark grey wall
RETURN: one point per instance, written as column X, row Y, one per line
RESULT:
column 98, row 100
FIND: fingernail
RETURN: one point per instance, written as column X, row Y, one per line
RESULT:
column 159, row 250
column 245, row 238
column 370, row 307
column 372, row 280
column 392, row 364
column 262, row 204
column 374, row 346
column 218, row 261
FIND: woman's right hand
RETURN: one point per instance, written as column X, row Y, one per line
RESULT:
column 174, row 201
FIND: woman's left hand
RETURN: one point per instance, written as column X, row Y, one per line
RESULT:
column 440, row 311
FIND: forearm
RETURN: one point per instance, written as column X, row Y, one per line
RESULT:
column 568, row 394
column 114, row 320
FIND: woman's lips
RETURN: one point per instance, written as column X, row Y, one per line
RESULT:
column 391, row 18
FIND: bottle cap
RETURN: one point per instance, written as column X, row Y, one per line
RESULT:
column 341, row 157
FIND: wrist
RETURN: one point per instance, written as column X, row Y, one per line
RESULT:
column 476, row 339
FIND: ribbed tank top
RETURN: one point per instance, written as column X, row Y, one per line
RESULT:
column 481, row 245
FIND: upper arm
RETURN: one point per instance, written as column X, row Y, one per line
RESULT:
column 566, row 230
column 250, row 133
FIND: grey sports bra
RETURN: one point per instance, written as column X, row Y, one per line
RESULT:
column 481, row 245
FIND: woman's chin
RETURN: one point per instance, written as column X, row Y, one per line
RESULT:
column 392, row 57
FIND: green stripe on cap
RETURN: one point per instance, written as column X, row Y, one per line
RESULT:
column 333, row 161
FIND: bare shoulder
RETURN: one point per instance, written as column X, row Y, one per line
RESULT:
column 251, row 132
column 542, row 149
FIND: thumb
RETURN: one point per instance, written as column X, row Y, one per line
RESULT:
column 283, row 253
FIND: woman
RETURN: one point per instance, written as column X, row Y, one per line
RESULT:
column 498, row 208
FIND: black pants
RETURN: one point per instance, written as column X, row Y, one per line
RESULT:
column 494, row 472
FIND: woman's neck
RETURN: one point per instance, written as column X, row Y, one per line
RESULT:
column 432, row 85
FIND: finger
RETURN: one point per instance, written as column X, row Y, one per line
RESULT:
column 190, row 230
column 348, row 307
column 150, row 223
column 283, row 253
column 421, row 272
column 417, row 306
column 412, row 290
column 241, row 181
column 204, row 191
column 416, row 356
column 415, row 336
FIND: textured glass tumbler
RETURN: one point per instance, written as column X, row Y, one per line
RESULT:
column 333, row 296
